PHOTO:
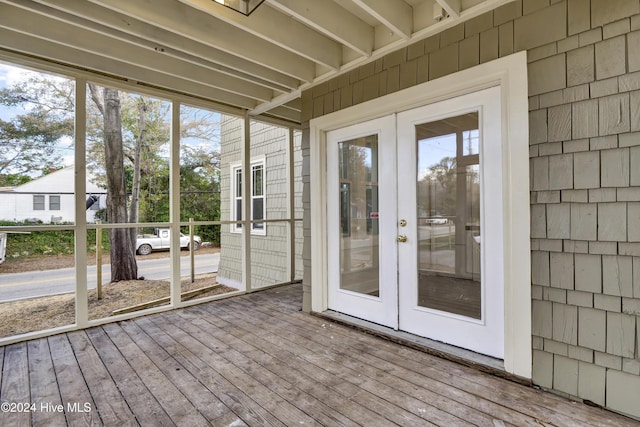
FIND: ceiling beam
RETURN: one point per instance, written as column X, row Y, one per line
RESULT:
column 193, row 24
column 50, row 29
column 275, row 102
column 285, row 113
column 452, row 7
column 42, row 48
column 176, row 46
column 396, row 15
column 331, row 20
column 279, row 29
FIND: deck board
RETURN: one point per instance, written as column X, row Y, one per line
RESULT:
column 1, row 362
column 43, row 383
column 257, row 360
column 139, row 399
column 205, row 402
column 15, row 385
column 71, row 383
column 113, row 409
column 176, row 405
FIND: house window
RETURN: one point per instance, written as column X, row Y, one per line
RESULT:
column 38, row 202
column 257, row 191
column 54, row 203
column 237, row 200
column 257, row 195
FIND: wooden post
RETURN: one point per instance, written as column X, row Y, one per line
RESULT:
column 99, row 259
column 191, row 252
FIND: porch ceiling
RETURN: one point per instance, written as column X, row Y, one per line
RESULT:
column 261, row 63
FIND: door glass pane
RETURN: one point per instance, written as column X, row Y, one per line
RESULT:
column 448, row 204
column 359, row 215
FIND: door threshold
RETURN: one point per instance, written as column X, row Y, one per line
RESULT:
column 459, row 355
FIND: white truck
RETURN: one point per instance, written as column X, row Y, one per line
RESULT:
column 160, row 239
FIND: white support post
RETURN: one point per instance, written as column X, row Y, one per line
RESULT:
column 80, row 190
column 174, row 205
column 291, row 230
column 246, row 203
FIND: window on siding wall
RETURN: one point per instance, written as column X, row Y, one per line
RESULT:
column 38, row 202
column 237, row 200
column 54, row 203
column 257, row 192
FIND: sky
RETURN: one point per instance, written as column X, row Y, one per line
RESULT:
column 8, row 75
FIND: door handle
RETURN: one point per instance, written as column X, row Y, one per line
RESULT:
column 402, row 238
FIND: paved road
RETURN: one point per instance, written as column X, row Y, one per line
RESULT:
column 51, row 282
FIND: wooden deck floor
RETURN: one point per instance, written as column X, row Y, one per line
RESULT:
column 257, row 360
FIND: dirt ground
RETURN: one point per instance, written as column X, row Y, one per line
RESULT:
column 35, row 314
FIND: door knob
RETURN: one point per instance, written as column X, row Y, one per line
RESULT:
column 402, row 238
column 403, row 223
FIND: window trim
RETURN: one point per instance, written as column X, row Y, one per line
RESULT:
column 236, row 188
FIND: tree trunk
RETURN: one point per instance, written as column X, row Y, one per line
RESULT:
column 137, row 166
column 123, row 260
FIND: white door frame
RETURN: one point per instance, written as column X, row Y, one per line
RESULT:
column 510, row 73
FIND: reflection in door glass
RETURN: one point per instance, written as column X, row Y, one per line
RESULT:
column 448, row 204
column 359, row 215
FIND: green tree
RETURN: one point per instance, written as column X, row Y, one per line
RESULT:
column 200, row 188
column 13, row 179
column 30, row 141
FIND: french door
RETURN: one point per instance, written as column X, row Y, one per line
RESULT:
column 361, row 203
column 414, row 221
column 450, row 193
